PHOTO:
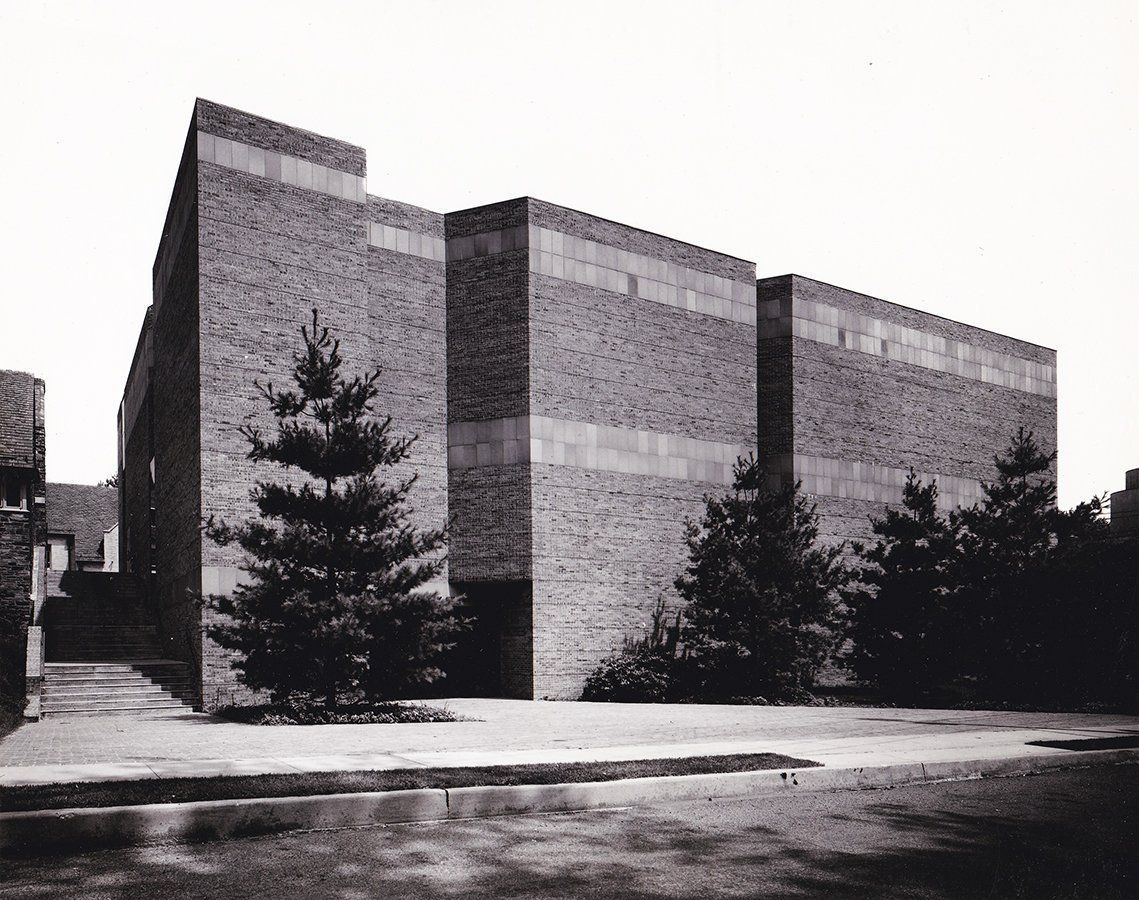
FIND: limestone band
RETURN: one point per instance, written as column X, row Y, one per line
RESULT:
column 543, row 439
column 612, row 268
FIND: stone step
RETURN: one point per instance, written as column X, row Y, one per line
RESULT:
column 163, row 712
column 94, row 657
column 115, row 678
column 135, row 665
column 133, row 687
column 161, row 699
column 96, row 646
column 98, row 701
column 175, row 707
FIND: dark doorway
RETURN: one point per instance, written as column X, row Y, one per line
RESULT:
column 495, row 657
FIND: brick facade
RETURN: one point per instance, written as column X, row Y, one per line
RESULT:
column 266, row 222
column 577, row 386
column 852, row 411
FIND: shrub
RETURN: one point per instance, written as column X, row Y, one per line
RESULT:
column 1011, row 602
column 638, row 676
column 360, row 714
column 645, row 670
column 904, row 613
column 764, row 601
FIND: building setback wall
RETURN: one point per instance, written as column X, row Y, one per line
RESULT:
column 407, row 314
column 858, row 390
column 170, row 537
column 488, row 372
column 609, row 377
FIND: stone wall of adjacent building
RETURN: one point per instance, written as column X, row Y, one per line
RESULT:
column 1125, row 505
column 23, row 532
column 876, row 388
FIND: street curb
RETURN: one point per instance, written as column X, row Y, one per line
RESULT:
column 75, row 830
column 97, row 828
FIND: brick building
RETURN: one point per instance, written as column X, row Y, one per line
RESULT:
column 577, row 385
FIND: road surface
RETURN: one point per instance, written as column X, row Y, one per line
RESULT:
column 1066, row 834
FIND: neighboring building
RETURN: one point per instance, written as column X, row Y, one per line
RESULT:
column 577, row 385
column 1125, row 505
column 22, row 519
column 79, row 519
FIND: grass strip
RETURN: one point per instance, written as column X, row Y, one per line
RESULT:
column 306, row 784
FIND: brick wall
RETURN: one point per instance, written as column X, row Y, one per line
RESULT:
column 174, row 419
column 563, row 322
column 266, row 222
column 607, row 544
column 859, row 403
column 407, row 315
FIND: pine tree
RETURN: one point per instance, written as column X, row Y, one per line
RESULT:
column 336, row 608
column 763, row 599
column 1013, row 541
column 905, row 622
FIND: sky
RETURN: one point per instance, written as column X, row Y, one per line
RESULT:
column 973, row 160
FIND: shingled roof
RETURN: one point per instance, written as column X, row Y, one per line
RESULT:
column 17, row 419
column 85, row 511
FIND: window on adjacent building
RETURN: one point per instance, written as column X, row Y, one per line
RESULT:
column 13, row 492
column 58, row 553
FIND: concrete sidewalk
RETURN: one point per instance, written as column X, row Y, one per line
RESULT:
column 517, row 732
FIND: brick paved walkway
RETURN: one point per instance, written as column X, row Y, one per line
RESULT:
column 525, row 731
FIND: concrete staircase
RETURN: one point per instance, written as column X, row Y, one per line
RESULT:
column 102, row 652
column 137, row 687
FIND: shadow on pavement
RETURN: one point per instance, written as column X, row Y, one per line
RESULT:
column 1061, row 835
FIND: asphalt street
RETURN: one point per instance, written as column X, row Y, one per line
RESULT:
column 1066, row 834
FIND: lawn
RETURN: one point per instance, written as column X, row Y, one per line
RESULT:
column 179, row 790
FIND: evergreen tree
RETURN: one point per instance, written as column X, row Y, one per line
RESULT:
column 905, row 625
column 763, row 600
column 1014, row 543
column 335, row 610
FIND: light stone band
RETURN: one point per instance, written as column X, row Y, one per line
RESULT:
column 865, row 334
column 863, row 481
column 413, row 243
column 581, row 261
column 563, row 442
column 280, row 167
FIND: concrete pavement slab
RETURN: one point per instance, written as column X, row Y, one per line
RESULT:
column 520, row 732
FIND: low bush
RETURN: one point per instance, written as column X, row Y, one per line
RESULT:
column 305, row 714
column 639, row 676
